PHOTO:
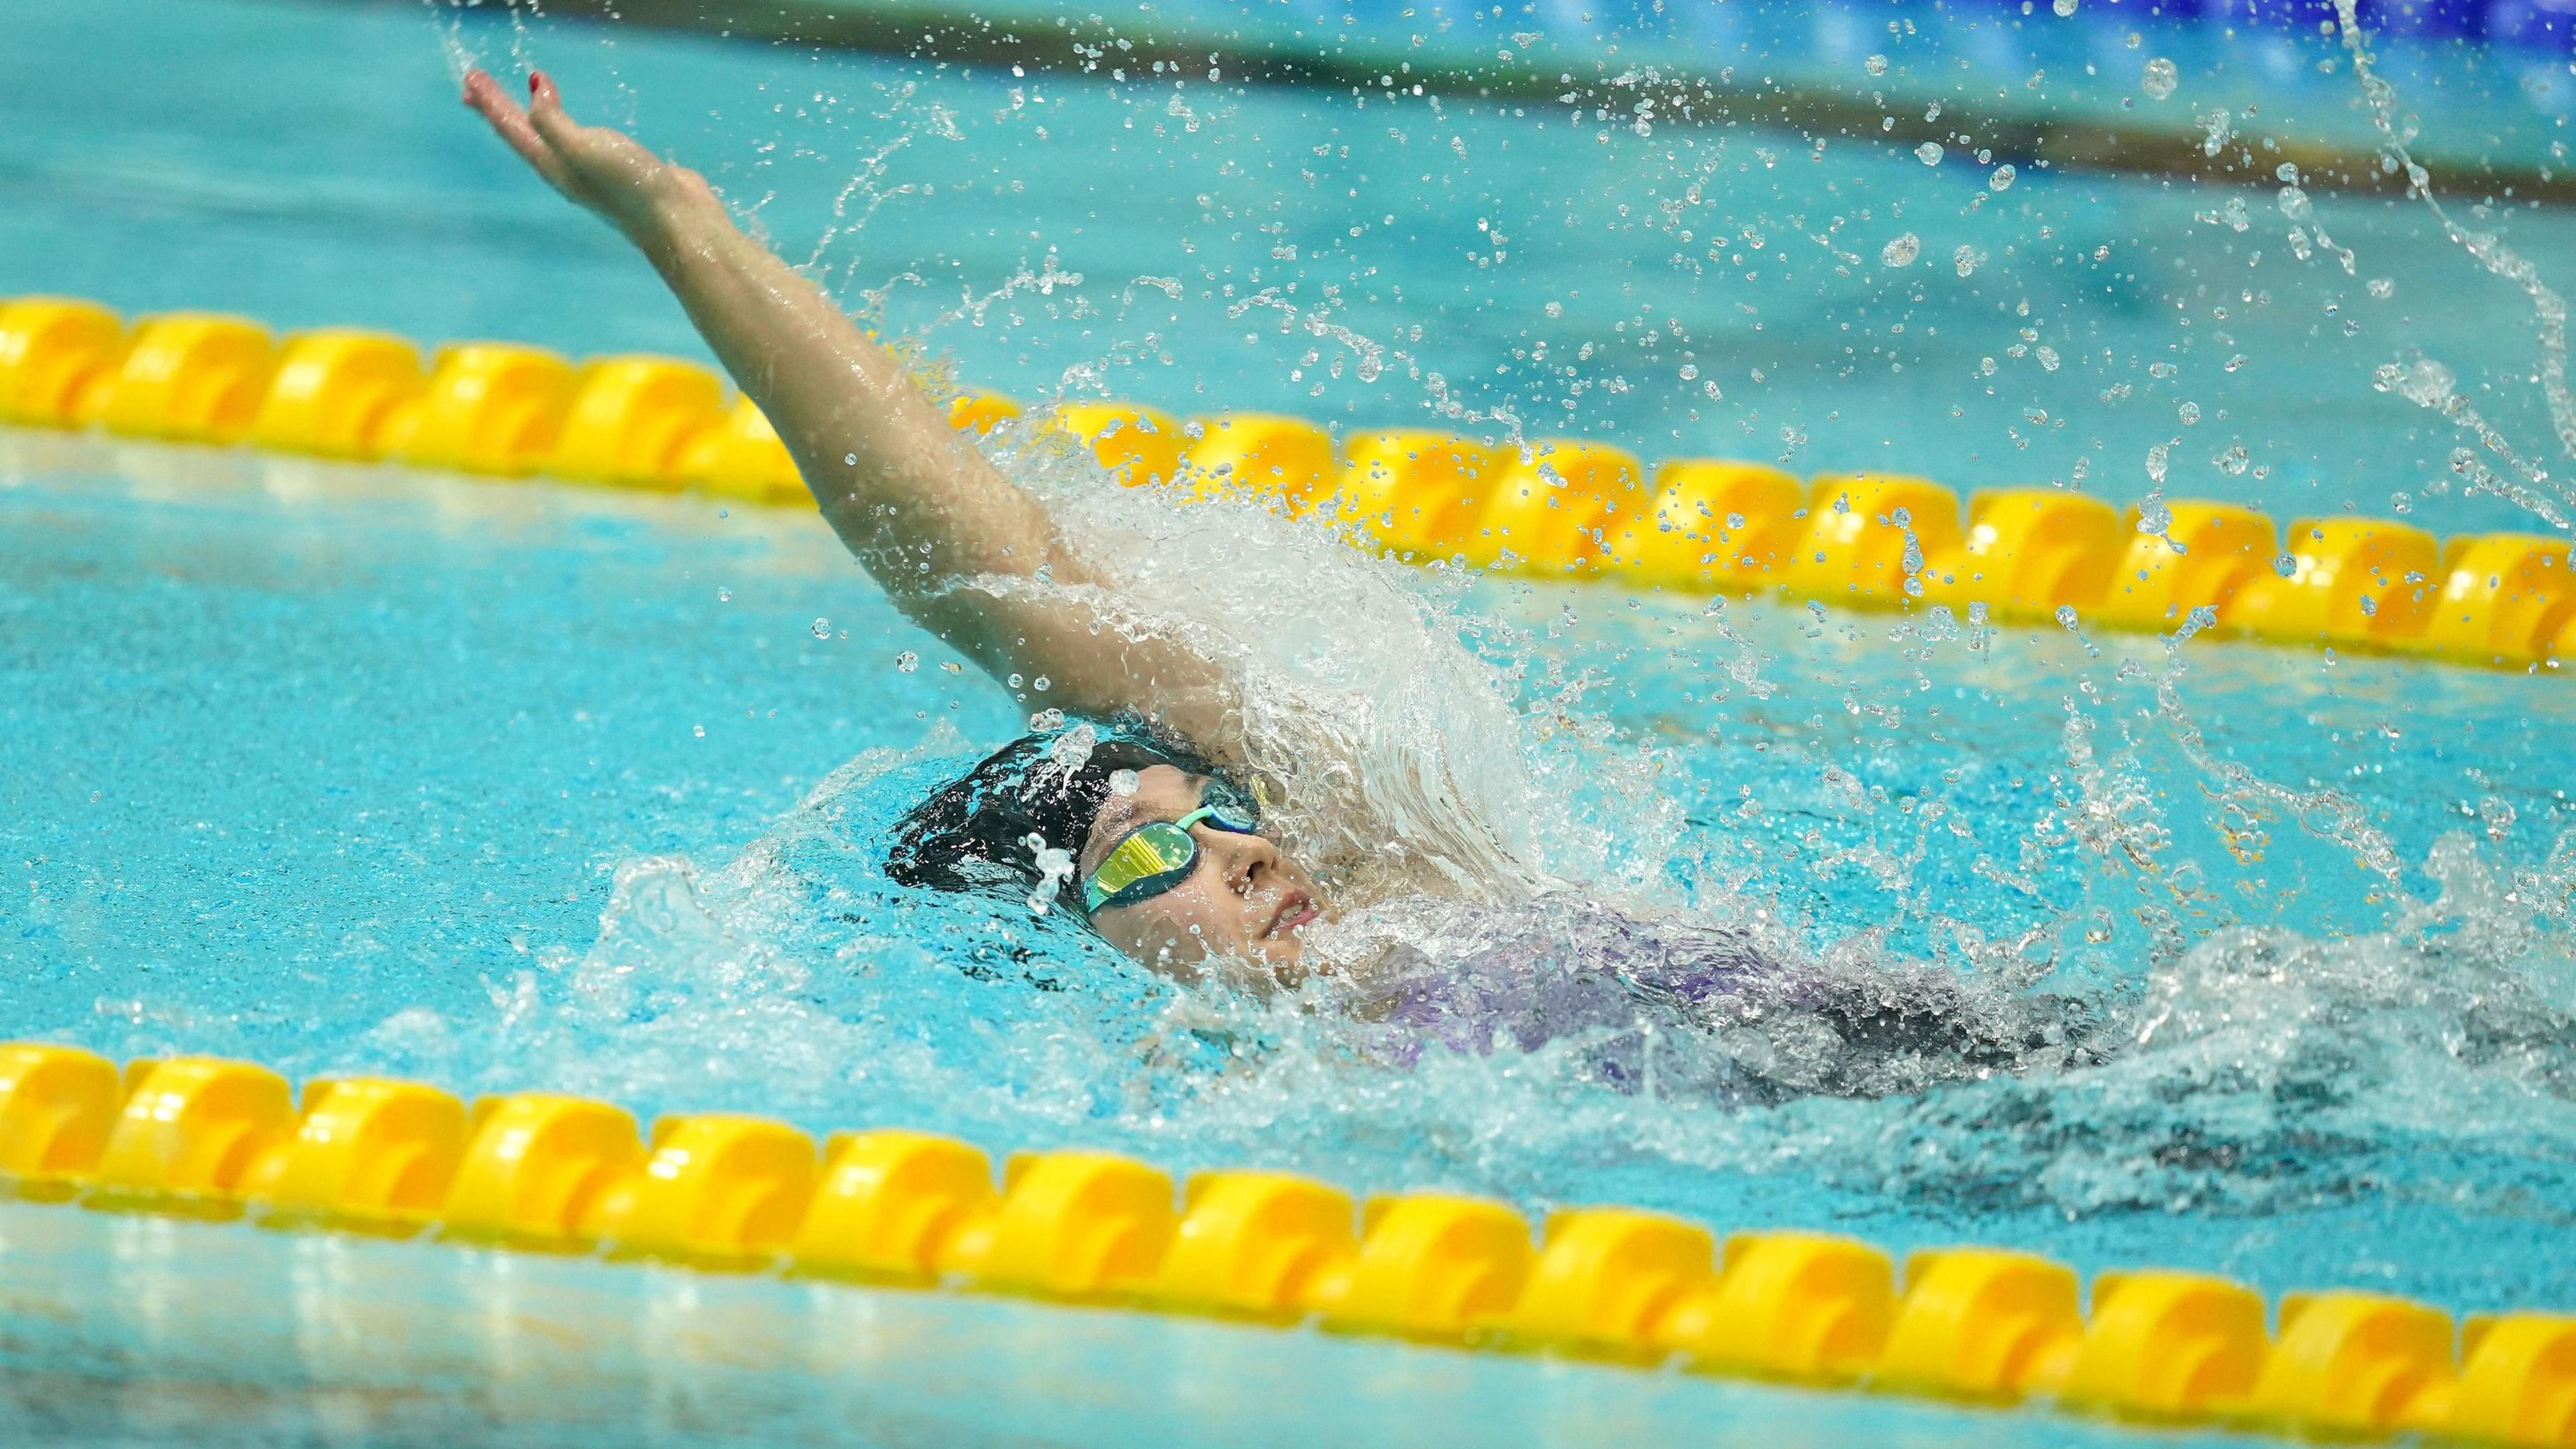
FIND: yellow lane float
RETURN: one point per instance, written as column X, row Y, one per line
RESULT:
column 631, row 418
column 1549, row 507
column 720, row 1192
column 1982, row 1325
column 887, row 1204
column 1416, row 491
column 489, row 407
column 1801, row 1307
column 334, row 391
column 1286, row 462
column 2205, row 553
column 2347, row 581
column 52, row 350
column 366, row 1154
column 980, row 412
column 1553, row 508
column 712, row 1187
column 1250, row 1244
column 1870, row 536
column 1140, row 446
column 741, row 457
column 189, row 1133
column 1711, row 522
column 2029, row 552
column 1606, row 1280
column 533, row 1166
column 2506, row 599
column 186, row 377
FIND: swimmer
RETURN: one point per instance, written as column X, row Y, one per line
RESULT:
column 1170, row 862
column 1146, row 821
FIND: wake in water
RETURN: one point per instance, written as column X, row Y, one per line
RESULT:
column 2077, row 1005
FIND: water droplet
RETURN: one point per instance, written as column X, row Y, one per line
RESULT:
column 906, row 662
column 2383, row 287
column 2047, row 359
column 2295, row 204
column 2066, row 616
column 2159, row 79
column 1875, row 65
column 1902, row 251
column 1967, row 260
column 2286, row 565
column 1122, row 782
column 822, row 628
column 2003, row 178
column 1929, row 153
column 2189, row 413
column 2232, row 460
column 699, row 730
column 724, row 596
column 1735, row 520
column 1041, row 684
column 850, row 458
column 2063, row 8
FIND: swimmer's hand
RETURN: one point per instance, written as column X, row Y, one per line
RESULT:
column 603, row 170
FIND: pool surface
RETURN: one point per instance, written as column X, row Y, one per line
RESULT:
column 512, row 785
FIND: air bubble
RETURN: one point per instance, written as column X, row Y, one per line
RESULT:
column 1902, row 251
column 906, row 662
column 2189, row 413
column 2159, row 79
column 1929, row 153
column 724, row 596
column 822, row 628
column 1123, row 783
column 1875, row 65
column 2003, row 178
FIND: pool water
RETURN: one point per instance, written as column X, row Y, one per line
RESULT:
column 511, row 785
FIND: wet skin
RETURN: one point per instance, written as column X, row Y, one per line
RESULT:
column 1245, row 901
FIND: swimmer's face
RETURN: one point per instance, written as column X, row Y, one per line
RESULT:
column 1245, row 900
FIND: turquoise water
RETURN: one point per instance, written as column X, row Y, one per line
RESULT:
column 507, row 785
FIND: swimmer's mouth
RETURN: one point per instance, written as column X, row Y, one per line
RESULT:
column 1296, row 909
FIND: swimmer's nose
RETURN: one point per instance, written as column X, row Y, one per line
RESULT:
column 1249, row 858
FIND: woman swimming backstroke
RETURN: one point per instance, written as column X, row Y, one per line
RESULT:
column 1146, row 820
column 1170, row 866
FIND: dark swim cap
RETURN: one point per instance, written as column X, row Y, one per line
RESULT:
column 973, row 834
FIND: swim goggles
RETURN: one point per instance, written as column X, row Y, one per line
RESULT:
column 1160, row 854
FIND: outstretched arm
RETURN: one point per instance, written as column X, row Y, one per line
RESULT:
column 925, row 512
